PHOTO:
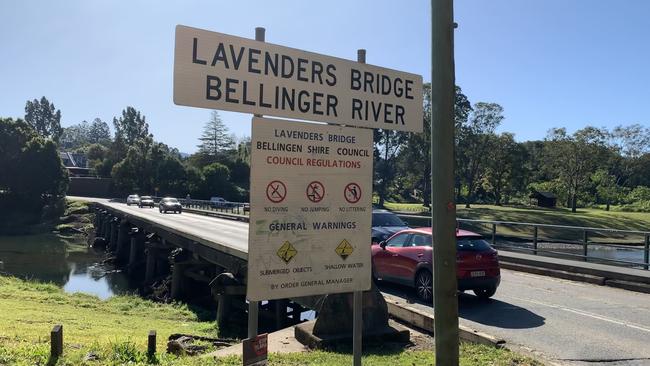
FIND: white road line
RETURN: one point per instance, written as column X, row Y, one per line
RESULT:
column 586, row 314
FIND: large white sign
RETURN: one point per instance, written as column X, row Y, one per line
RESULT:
column 219, row 71
column 310, row 218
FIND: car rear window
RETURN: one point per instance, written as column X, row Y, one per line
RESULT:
column 386, row 219
column 472, row 244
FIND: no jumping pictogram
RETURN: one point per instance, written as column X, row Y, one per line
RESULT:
column 315, row 191
column 352, row 193
column 276, row 191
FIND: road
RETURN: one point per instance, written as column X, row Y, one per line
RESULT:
column 565, row 321
column 571, row 322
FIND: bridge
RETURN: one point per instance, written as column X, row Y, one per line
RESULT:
column 559, row 319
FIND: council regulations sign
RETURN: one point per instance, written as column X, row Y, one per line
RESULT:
column 220, row 71
column 310, row 218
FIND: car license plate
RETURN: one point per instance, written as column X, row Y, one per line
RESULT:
column 477, row 274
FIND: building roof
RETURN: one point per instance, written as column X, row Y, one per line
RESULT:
column 544, row 194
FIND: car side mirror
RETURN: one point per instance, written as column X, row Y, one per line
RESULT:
column 383, row 245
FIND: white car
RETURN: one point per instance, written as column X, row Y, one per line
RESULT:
column 133, row 199
column 219, row 202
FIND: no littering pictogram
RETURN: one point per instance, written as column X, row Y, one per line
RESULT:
column 344, row 249
column 315, row 191
column 276, row 191
column 287, row 252
column 352, row 193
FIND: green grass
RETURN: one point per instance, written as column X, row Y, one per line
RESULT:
column 590, row 217
column 76, row 207
column 115, row 331
column 414, row 208
column 584, row 217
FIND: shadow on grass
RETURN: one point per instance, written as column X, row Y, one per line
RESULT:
column 376, row 348
column 202, row 312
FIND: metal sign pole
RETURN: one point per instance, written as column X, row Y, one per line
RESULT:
column 357, row 327
column 253, row 306
column 445, row 300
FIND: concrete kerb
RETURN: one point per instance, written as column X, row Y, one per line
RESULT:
column 594, row 273
column 399, row 309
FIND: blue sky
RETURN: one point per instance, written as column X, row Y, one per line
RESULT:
column 551, row 63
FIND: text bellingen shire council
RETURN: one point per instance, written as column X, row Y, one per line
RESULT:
column 288, row 68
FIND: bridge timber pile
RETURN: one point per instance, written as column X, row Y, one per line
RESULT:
column 205, row 257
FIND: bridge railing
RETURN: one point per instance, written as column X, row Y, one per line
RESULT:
column 627, row 248
column 235, row 208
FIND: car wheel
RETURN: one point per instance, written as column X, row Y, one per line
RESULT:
column 424, row 285
column 160, row 210
column 485, row 293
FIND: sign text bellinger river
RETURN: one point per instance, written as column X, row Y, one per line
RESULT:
column 219, row 71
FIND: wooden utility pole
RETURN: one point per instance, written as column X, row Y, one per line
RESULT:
column 445, row 300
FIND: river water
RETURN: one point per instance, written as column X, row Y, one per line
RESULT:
column 72, row 265
column 66, row 262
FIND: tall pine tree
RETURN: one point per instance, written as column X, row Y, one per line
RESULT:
column 215, row 139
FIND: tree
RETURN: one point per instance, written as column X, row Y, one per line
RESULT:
column 415, row 160
column 75, row 136
column 215, row 138
column 503, row 164
column 606, row 187
column 32, row 173
column 130, row 127
column 473, row 144
column 414, row 164
column 387, row 145
column 84, row 133
column 632, row 141
column 244, row 150
column 572, row 158
column 44, row 118
column 99, row 132
column 217, row 181
column 462, row 110
column 629, row 144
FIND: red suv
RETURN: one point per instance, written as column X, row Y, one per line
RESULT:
column 406, row 258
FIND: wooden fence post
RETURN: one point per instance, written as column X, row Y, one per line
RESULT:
column 56, row 341
column 151, row 343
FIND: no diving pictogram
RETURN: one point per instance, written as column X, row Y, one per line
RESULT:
column 276, row 191
column 352, row 193
column 315, row 191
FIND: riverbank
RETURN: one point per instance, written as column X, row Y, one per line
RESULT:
column 73, row 218
column 114, row 331
column 76, row 219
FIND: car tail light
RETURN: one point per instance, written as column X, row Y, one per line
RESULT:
column 461, row 257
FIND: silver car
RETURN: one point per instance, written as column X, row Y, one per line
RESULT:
column 133, row 199
column 146, row 201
